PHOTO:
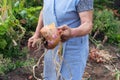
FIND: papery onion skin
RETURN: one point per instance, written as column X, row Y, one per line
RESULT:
column 51, row 35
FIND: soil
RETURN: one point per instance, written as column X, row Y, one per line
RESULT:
column 93, row 71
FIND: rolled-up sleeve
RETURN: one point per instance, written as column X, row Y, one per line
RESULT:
column 84, row 5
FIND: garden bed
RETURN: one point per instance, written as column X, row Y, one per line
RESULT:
column 94, row 70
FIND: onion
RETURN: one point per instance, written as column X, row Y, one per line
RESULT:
column 51, row 35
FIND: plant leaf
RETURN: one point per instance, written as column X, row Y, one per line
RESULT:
column 3, row 43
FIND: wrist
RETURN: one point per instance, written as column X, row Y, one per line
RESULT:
column 36, row 35
column 73, row 32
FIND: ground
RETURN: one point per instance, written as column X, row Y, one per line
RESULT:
column 94, row 70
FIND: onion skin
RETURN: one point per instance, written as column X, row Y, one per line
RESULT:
column 51, row 35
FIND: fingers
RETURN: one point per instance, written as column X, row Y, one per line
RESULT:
column 32, row 43
column 65, row 32
column 60, row 31
column 64, row 27
column 65, row 35
column 63, row 39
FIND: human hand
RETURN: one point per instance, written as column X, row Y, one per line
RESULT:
column 32, row 42
column 65, row 32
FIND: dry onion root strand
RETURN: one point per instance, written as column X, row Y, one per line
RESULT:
column 39, row 44
column 36, row 65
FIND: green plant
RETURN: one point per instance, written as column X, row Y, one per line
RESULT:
column 5, row 65
column 106, row 26
column 27, row 15
column 117, row 75
column 11, row 31
column 15, row 18
column 102, row 4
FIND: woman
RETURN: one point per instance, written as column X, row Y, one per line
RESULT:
column 74, row 18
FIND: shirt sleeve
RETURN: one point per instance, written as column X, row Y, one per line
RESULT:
column 84, row 5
